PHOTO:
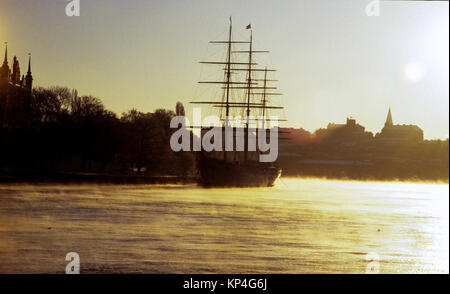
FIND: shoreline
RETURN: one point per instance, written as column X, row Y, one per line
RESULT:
column 91, row 178
column 117, row 179
column 375, row 180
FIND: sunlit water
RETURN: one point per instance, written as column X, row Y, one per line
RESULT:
column 299, row 226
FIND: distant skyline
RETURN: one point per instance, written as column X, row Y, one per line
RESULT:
column 332, row 60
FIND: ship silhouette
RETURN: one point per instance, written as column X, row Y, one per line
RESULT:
column 251, row 92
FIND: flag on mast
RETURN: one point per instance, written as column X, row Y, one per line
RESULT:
column 249, row 27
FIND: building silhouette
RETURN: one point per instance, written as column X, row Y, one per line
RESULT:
column 16, row 97
column 348, row 132
column 12, row 76
column 391, row 132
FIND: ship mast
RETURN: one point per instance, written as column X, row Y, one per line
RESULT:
column 264, row 97
column 264, row 100
column 249, row 92
column 228, row 80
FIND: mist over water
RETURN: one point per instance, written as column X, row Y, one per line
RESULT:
column 299, row 226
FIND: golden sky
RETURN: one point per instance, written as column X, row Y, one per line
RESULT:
column 332, row 60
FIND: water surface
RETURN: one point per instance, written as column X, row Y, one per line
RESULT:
column 299, row 226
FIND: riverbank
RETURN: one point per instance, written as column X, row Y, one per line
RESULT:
column 91, row 178
column 376, row 173
column 121, row 179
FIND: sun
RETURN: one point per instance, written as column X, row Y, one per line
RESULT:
column 415, row 71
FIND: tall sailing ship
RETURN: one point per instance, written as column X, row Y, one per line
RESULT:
column 251, row 91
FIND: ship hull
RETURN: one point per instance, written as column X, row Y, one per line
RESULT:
column 219, row 173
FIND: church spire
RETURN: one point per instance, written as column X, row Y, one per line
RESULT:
column 29, row 77
column 389, row 122
column 5, row 73
column 29, row 64
column 5, row 61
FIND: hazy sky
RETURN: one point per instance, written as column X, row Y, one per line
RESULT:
column 333, row 60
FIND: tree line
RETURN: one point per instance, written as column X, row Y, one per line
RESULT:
column 64, row 131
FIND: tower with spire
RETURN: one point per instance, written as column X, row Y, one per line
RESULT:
column 5, row 72
column 399, row 133
column 29, row 77
column 389, row 122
